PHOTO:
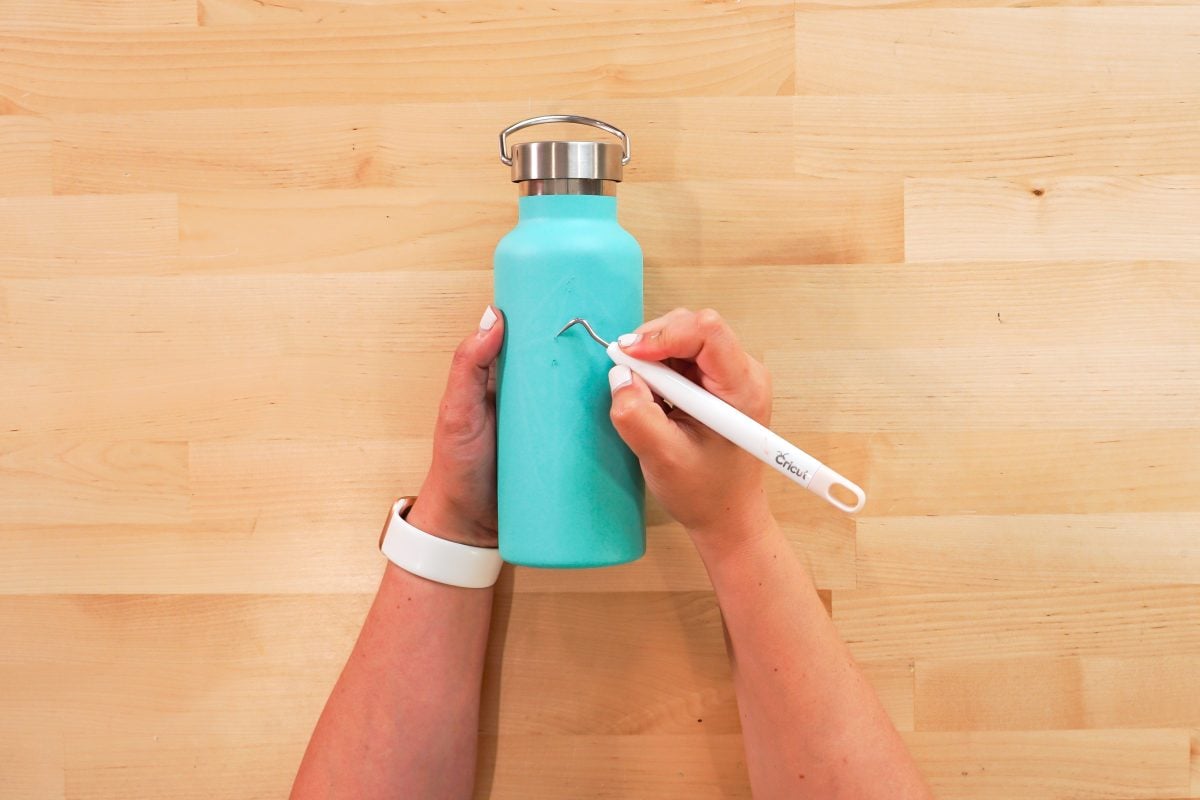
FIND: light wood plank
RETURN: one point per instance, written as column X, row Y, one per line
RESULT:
column 226, row 149
column 225, row 556
column 263, row 554
column 916, row 51
column 823, row 542
column 257, row 395
column 280, row 655
column 291, row 12
column 31, row 765
column 123, row 327
column 1077, row 764
column 984, row 135
column 679, row 224
column 96, row 13
column 694, row 223
column 996, row 387
column 139, row 674
column 1054, row 764
column 222, row 517
column 259, row 769
column 132, row 482
column 952, row 472
column 192, row 356
column 1030, row 472
column 964, row 305
column 1157, row 691
column 58, row 236
column 414, row 145
column 1051, row 694
column 285, row 485
column 587, row 767
column 337, row 477
column 724, row 50
column 132, row 683
column 765, row 222
column 196, row 318
column 984, row 552
column 626, row 663
column 344, row 231
column 893, row 682
column 248, row 499
column 1055, row 622
column 1195, row 763
column 25, row 160
column 1054, row 218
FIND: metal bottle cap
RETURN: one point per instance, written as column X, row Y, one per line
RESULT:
column 556, row 167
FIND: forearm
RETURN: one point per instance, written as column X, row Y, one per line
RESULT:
column 812, row 725
column 402, row 720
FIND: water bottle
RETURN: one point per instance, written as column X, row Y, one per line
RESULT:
column 569, row 491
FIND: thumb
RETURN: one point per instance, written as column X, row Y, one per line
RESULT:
column 466, row 385
column 639, row 420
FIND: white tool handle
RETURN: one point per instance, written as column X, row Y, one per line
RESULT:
column 735, row 426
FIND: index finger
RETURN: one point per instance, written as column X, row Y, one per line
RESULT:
column 704, row 337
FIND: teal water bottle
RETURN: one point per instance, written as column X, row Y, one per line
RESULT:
column 569, row 492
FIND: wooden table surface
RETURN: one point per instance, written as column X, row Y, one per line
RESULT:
column 239, row 239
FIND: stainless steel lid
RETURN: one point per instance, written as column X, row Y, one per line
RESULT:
column 557, row 160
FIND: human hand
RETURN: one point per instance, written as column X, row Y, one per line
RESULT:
column 703, row 480
column 458, row 498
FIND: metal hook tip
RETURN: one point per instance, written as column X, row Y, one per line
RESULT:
column 587, row 327
column 563, row 329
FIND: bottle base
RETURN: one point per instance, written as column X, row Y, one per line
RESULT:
column 543, row 563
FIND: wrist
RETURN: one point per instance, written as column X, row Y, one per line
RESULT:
column 432, row 513
column 738, row 528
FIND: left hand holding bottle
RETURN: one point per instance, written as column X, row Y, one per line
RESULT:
column 458, row 498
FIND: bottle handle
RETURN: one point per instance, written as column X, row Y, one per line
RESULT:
column 506, row 156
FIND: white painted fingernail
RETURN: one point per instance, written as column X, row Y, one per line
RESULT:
column 488, row 320
column 626, row 339
column 619, row 376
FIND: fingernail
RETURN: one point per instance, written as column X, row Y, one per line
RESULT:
column 627, row 339
column 619, row 376
column 488, row 320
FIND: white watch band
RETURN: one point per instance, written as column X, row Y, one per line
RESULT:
column 435, row 558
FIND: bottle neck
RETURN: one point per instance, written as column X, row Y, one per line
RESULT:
column 567, row 206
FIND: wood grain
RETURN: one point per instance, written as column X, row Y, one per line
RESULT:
column 239, row 241
column 234, row 537
column 88, row 235
column 1032, row 472
column 983, row 304
column 995, row 387
column 1104, row 619
column 414, row 145
column 985, row 135
column 1038, row 692
column 1054, row 218
column 74, row 14
column 970, row 50
column 1076, row 764
column 25, row 156
column 150, row 476
column 315, row 12
column 982, row 552
column 717, row 49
